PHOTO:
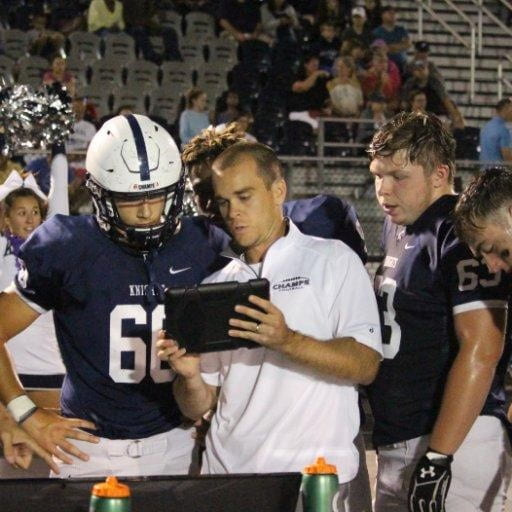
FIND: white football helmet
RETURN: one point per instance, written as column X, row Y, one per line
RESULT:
column 129, row 157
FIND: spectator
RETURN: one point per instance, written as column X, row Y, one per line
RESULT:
column 242, row 124
column 66, row 17
column 83, row 132
column 375, row 112
column 141, row 21
column 232, row 110
column 59, row 74
column 355, row 49
column 395, row 36
column 344, row 89
column 417, row 102
column 332, row 12
column 42, row 41
column 438, row 101
column 326, row 46
column 422, row 49
column 495, row 139
column 359, row 29
column 105, row 16
column 373, row 13
column 240, row 18
column 383, row 78
column 278, row 21
column 309, row 92
column 194, row 118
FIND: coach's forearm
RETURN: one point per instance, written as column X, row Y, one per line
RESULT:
column 194, row 396
column 344, row 358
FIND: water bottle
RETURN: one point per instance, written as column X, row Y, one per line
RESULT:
column 110, row 496
column 319, row 487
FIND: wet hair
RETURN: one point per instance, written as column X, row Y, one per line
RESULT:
column 268, row 165
column 422, row 136
column 209, row 144
column 484, row 198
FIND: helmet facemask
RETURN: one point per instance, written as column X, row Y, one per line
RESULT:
column 138, row 239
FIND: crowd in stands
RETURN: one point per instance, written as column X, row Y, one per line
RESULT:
column 285, row 64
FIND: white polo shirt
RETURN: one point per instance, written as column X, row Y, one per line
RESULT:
column 275, row 415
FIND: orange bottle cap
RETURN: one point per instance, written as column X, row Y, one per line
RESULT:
column 111, row 488
column 320, row 467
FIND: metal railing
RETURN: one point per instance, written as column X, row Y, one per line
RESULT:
column 502, row 81
column 471, row 45
column 482, row 9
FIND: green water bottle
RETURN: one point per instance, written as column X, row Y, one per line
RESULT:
column 319, row 487
column 110, row 496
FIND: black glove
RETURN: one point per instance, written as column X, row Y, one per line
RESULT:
column 430, row 483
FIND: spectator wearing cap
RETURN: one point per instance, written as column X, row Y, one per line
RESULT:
column 421, row 52
column 395, row 36
column 358, row 28
column 438, row 100
column 382, row 77
column 495, row 139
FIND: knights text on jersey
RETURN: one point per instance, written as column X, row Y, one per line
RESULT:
column 107, row 318
column 426, row 277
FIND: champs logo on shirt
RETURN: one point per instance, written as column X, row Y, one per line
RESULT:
column 290, row 284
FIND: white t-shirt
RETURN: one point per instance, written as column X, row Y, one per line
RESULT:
column 274, row 415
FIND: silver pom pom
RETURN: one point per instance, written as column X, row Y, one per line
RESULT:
column 35, row 119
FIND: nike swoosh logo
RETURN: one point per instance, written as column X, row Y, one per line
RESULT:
column 172, row 271
column 407, row 246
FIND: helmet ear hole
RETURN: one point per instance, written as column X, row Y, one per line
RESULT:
column 133, row 155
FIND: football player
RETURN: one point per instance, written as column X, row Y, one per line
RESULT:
column 322, row 215
column 438, row 396
column 103, row 276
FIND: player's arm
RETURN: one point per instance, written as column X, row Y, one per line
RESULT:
column 344, row 358
column 58, row 198
column 481, row 337
column 47, row 428
column 194, row 396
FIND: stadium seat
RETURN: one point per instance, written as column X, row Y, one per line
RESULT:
column 107, row 72
column 78, row 68
column 15, row 43
column 85, row 46
column 6, row 70
column 31, row 70
column 192, row 53
column 124, row 96
column 142, row 74
column 174, row 73
column 199, row 26
column 222, row 53
column 174, row 20
column 164, row 103
column 98, row 96
column 120, row 47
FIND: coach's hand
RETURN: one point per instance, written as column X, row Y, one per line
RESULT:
column 267, row 327
column 183, row 363
column 430, row 483
column 52, row 432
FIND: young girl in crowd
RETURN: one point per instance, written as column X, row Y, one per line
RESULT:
column 34, row 351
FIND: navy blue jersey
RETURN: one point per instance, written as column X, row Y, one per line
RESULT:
column 426, row 277
column 107, row 317
column 328, row 217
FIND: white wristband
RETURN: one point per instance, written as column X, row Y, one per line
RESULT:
column 20, row 407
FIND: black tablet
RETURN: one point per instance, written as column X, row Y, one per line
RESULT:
column 198, row 317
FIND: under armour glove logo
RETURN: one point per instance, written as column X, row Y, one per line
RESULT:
column 430, row 483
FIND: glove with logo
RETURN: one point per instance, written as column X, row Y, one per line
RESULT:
column 430, row 483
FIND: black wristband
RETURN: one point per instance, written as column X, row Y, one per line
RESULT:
column 27, row 415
